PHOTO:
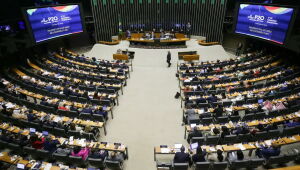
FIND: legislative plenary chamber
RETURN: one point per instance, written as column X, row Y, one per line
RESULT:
column 149, row 84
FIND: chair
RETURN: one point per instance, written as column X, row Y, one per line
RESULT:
column 29, row 150
column 288, row 131
column 223, row 119
column 99, row 163
column 99, row 118
column 49, row 129
column 261, row 135
column 248, row 117
column 237, row 164
column 14, row 147
column 256, row 162
column 207, row 121
column 219, row 165
column 212, row 140
column 273, row 133
column 74, row 133
column 260, row 115
column 59, row 132
column 180, row 166
column 115, row 165
column 163, row 165
column 227, row 103
column 88, row 136
column 244, row 137
column 76, row 160
column 202, row 166
column 228, row 139
column 199, row 140
column 234, row 118
column 3, row 144
column 42, row 154
column 275, row 160
column 85, row 116
column 60, row 157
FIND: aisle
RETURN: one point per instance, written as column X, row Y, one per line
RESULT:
column 148, row 114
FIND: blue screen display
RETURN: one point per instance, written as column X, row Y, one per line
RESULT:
column 266, row 22
column 52, row 22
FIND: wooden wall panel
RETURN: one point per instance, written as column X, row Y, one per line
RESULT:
column 206, row 16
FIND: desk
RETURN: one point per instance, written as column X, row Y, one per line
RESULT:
column 209, row 149
column 158, row 43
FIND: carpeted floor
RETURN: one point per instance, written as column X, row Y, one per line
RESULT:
column 148, row 114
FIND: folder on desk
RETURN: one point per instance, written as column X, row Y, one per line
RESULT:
column 164, row 150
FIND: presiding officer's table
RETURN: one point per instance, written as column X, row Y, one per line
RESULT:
column 162, row 43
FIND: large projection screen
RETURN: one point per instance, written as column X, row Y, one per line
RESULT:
column 51, row 22
column 263, row 21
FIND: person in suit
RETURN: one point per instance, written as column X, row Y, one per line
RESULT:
column 116, row 156
column 213, row 98
column 188, row 29
column 194, row 133
column 239, row 49
column 218, row 111
column 169, row 58
column 98, row 154
column 49, row 87
column 201, row 99
column 199, row 156
column 182, row 157
column 267, row 152
column 50, row 145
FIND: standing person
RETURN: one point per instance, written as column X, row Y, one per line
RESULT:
column 188, row 29
column 239, row 49
column 169, row 58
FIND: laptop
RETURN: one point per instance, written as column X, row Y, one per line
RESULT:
column 194, row 146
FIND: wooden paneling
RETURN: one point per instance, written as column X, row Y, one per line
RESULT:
column 206, row 16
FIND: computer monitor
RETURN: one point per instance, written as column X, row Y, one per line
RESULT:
column 20, row 166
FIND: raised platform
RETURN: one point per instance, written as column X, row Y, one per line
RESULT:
column 158, row 43
column 207, row 53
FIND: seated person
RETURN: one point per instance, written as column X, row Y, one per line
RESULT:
column 116, row 156
column 267, row 152
column 214, row 131
column 98, row 154
column 201, row 99
column 62, row 149
column 218, row 111
column 77, row 151
column 213, row 98
column 238, row 155
column 225, row 131
column 293, row 123
column 50, row 145
column 194, row 133
column 199, row 156
column 36, row 142
column 182, row 157
column 219, row 157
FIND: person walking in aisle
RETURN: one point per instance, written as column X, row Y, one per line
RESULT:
column 169, row 58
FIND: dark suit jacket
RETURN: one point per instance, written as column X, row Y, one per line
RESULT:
column 181, row 157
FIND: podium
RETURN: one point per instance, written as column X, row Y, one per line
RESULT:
column 191, row 57
column 120, row 57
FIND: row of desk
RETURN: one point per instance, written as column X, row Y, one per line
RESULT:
column 229, row 148
column 68, row 141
